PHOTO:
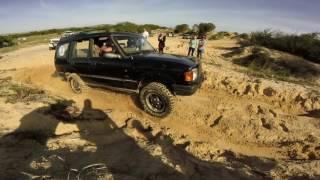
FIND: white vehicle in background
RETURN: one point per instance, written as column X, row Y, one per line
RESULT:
column 53, row 43
column 67, row 33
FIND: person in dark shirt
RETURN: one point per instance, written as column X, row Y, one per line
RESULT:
column 162, row 42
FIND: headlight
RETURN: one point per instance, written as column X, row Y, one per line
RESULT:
column 195, row 74
column 191, row 75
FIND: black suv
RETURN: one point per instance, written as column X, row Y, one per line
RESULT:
column 127, row 62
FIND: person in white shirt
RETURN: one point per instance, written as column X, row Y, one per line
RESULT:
column 145, row 34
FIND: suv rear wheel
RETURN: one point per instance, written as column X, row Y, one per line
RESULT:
column 156, row 99
column 76, row 83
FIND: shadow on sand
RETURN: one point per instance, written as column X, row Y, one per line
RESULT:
column 58, row 141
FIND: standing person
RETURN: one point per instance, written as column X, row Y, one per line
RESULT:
column 201, row 44
column 145, row 34
column 162, row 42
column 193, row 44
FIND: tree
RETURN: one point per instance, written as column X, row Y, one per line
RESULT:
column 126, row 27
column 181, row 28
column 206, row 27
column 195, row 28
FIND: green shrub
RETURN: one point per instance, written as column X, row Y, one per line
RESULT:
column 304, row 45
column 220, row 35
column 126, row 27
column 6, row 41
column 244, row 36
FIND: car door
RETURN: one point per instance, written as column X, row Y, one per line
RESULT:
column 80, row 57
column 110, row 69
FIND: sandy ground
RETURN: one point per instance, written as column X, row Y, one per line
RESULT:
column 234, row 127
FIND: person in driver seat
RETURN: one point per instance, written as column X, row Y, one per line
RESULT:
column 107, row 50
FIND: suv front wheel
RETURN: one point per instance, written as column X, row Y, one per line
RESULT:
column 156, row 99
column 76, row 83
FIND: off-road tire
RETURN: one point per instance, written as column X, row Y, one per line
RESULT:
column 75, row 79
column 163, row 92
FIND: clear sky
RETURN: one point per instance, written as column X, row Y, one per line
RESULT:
column 233, row 15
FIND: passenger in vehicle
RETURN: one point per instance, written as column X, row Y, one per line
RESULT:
column 106, row 48
column 131, row 43
column 96, row 50
column 108, row 51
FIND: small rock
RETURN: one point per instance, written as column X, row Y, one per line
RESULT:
column 260, row 110
column 247, row 90
column 274, row 114
column 269, row 92
column 216, row 121
column 265, row 124
column 312, row 156
column 284, row 127
column 308, row 104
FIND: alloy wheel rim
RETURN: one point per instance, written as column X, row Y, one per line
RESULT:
column 155, row 102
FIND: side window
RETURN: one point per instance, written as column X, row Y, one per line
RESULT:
column 63, row 51
column 81, row 49
column 104, row 47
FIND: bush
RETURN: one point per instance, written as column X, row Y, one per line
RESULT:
column 220, row 35
column 6, row 41
column 126, row 27
column 244, row 36
column 304, row 45
column 181, row 28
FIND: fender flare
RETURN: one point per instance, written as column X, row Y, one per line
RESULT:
column 156, row 77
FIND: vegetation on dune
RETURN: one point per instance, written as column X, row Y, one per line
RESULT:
column 131, row 27
column 36, row 37
column 201, row 28
column 123, row 26
column 220, row 35
column 261, row 60
column 6, row 41
column 304, row 45
column 244, row 36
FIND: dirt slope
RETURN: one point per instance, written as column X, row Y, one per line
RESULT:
column 235, row 127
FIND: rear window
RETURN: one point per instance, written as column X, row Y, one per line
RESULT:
column 81, row 49
column 62, row 50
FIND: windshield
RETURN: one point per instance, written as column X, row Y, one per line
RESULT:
column 133, row 44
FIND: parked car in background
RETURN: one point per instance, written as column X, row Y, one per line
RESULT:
column 53, row 43
column 67, row 33
column 170, row 34
column 186, row 36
